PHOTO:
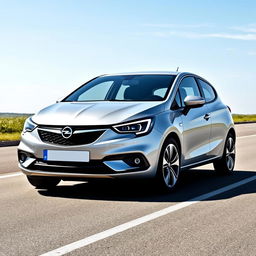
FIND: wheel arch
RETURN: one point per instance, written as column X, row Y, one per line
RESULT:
column 174, row 136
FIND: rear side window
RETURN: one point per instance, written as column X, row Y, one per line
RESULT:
column 208, row 91
column 188, row 87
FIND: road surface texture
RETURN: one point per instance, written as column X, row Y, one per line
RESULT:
column 220, row 223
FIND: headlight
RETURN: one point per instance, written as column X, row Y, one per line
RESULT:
column 137, row 127
column 29, row 125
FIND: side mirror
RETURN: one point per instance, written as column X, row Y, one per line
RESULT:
column 194, row 101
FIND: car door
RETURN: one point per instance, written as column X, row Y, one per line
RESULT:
column 217, row 112
column 196, row 125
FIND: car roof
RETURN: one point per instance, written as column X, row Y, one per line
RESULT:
column 146, row 73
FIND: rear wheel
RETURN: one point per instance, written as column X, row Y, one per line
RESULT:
column 43, row 182
column 169, row 165
column 226, row 164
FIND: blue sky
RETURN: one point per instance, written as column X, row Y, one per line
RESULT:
column 48, row 48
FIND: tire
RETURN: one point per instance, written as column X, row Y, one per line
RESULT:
column 168, row 166
column 225, row 165
column 43, row 182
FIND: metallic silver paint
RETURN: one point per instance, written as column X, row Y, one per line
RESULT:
column 192, row 101
column 201, row 140
column 93, row 113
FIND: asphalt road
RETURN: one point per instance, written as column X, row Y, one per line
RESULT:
column 35, row 222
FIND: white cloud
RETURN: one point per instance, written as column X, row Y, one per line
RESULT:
column 167, row 25
column 251, row 28
column 247, row 33
column 247, row 37
column 192, row 35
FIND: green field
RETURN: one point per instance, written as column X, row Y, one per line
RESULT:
column 244, row 118
column 11, row 127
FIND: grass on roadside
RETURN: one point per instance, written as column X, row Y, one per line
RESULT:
column 9, row 136
column 12, row 124
column 11, row 127
column 243, row 118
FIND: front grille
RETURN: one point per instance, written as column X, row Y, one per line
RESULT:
column 86, row 137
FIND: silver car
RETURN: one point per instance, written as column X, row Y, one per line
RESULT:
column 131, row 125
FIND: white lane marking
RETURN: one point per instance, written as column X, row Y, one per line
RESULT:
column 246, row 136
column 10, row 175
column 112, row 231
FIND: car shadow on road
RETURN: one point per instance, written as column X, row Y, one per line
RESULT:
column 193, row 183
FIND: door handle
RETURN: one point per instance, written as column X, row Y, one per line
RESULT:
column 207, row 117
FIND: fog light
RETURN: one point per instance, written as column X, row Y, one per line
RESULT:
column 137, row 160
column 23, row 157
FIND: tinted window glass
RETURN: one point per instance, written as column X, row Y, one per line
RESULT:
column 160, row 92
column 121, row 91
column 98, row 92
column 209, row 93
column 124, row 88
column 188, row 87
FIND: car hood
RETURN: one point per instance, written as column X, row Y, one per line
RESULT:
column 95, row 113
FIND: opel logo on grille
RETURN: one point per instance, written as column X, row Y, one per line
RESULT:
column 66, row 132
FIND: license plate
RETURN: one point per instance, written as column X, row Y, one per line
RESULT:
column 66, row 156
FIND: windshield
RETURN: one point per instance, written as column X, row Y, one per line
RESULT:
column 124, row 88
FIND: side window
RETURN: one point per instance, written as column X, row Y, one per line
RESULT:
column 97, row 92
column 209, row 93
column 188, row 87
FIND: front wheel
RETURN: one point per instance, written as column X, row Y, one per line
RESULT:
column 226, row 164
column 43, row 182
column 169, row 165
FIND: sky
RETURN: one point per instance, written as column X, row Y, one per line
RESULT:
column 49, row 48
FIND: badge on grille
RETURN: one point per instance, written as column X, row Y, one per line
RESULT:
column 66, row 132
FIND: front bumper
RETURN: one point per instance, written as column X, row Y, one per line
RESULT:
column 108, row 157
